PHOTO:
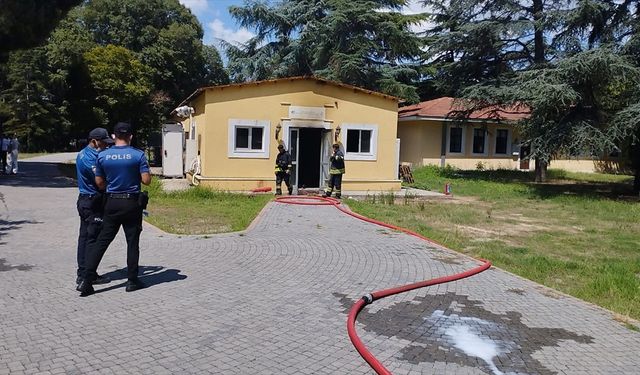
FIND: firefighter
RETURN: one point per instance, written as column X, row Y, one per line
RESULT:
column 335, row 172
column 283, row 170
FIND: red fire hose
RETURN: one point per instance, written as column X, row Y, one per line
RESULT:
column 369, row 298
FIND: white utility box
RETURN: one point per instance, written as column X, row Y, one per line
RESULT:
column 172, row 150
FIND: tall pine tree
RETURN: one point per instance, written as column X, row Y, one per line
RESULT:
column 365, row 43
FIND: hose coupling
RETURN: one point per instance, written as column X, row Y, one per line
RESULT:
column 368, row 298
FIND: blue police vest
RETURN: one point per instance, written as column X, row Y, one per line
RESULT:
column 85, row 170
column 121, row 166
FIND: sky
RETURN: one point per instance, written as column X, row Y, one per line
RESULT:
column 218, row 23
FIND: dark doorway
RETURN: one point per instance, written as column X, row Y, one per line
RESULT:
column 309, row 158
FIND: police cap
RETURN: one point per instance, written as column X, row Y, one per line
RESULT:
column 122, row 128
column 100, row 134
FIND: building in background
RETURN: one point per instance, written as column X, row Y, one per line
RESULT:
column 430, row 134
column 234, row 131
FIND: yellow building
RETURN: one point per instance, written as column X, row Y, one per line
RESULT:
column 430, row 136
column 235, row 131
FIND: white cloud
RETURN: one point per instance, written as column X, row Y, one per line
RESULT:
column 195, row 5
column 220, row 31
column 414, row 7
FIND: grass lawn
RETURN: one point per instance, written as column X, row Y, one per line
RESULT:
column 195, row 211
column 202, row 211
column 578, row 233
column 29, row 155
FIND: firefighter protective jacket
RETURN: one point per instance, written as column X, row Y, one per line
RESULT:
column 283, row 161
column 337, row 163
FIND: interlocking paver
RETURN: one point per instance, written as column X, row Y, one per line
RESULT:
column 274, row 299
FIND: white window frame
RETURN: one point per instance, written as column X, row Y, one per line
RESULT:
column 373, row 154
column 263, row 153
column 462, row 141
column 509, row 145
column 486, row 140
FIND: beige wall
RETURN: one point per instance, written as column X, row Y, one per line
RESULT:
column 421, row 143
column 270, row 102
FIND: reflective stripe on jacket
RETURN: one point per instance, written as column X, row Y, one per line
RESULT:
column 283, row 161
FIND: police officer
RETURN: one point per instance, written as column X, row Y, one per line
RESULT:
column 283, row 170
column 121, row 169
column 90, row 198
column 335, row 172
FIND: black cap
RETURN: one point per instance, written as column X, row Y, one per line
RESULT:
column 280, row 146
column 122, row 128
column 100, row 134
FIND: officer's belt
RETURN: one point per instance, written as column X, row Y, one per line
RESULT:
column 123, row 195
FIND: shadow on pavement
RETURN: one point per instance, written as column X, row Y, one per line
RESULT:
column 38, row 174
column 8, row 225
column 149, row 275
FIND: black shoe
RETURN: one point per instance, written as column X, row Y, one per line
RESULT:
column 101, row 279
column 338, row 196
column 85, row 288
column 78, row 280
column 132, row 285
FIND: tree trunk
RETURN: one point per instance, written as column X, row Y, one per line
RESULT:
column 541, row 170
column 635, row 165
column 538, row 36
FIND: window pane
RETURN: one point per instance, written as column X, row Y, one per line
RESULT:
column 365, row 141
column 242, row 137
column 353, row 140
column 455, row 140
column 478, row 141
column 501, row 141
column 256, row 138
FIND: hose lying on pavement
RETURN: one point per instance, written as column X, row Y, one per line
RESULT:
column 369, row 298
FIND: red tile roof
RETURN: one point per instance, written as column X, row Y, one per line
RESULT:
column 444, row 108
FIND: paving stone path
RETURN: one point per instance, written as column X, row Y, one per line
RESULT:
column 274, row 300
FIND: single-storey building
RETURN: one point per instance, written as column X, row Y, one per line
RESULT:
column 235, row 129
column 431, row 135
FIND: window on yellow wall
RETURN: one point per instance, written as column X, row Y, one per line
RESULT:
column 455, row 139
column 479, row 141
column 502, row 141
column 359, row 140
column 248, row 138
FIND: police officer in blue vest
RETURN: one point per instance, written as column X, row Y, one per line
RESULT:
column 120, row 169
column 90, row 199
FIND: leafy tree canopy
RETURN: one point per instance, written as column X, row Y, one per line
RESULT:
column 575, row 106
column 27, row 23
column 359, row 42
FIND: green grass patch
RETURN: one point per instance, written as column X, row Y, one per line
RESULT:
column 579, row 233
column 29, row 155
column 200, row 210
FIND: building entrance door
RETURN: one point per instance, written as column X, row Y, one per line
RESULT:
column 305, row 145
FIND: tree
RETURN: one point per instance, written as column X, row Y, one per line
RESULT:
column 28, row 103
column 163, row 33
column 365, row 43
column 27, row 23
column 121, row 83
column 583, row 104
column 474, row 41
